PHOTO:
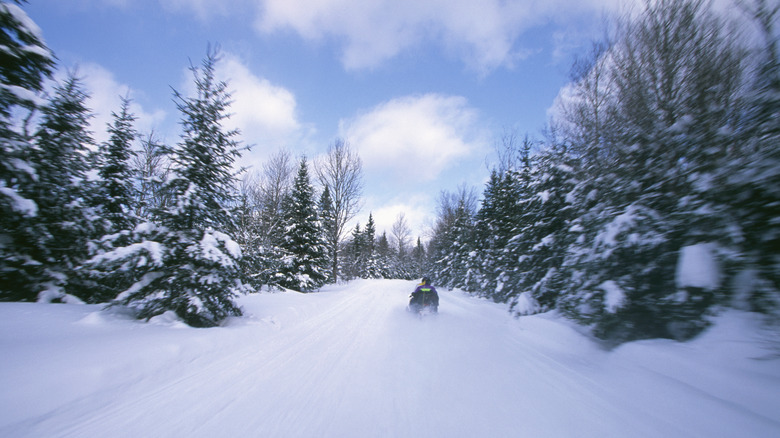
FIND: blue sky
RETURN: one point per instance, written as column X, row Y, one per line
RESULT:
column 422, row 89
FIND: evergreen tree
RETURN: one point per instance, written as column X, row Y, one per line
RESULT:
column 384, row 256
column 372, row 267
column 327, row 217
column 305, row 265
column 495, row 225
column 460, row 259
column 65, row 222
column 25, row 62
column 419, row 259
column 116, row 201
column 540, row 245
column 117, row 194
column 184, row 261
column 355, row 262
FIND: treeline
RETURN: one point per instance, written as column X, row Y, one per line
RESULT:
column 654, row 198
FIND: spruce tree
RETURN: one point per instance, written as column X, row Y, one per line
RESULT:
column 116, row 200
column 460, row 259
column 305, row 264
column 384, row 257
column 540, row 244
column 185, row 261
column 117, row 194
column 495, row 225
column 65, row 222
column 25, row 62
column 419, row 259
column 372, row 267
column 327, row 217
column 355, row 254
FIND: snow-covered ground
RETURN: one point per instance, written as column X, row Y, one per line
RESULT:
column 351, row 362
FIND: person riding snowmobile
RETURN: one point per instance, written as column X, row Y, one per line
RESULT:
column 424, row 296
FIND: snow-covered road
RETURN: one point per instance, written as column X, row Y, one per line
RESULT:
column 351, row 362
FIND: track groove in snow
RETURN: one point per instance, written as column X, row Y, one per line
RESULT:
column 351, row 362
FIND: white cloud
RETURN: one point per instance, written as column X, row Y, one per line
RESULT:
column 484, row 34
column 415, row 138
column 105, row 97
column 265, row 113
column 416, row 210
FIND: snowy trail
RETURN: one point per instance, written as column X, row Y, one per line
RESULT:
column 351, row 362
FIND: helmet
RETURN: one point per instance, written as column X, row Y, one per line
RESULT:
column 426, row 280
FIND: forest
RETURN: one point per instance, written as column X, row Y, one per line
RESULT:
column 662, row 157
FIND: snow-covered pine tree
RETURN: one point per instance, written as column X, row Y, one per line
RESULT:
column 327, row 217
column 65, row 222
column 115, row 200
column 185, row 261
column 372, row 269
column 419, row 260
column 485, row 236
column 440, row 255
column 305, row 265
column 117, row 191
column 462, row 254
column 384, row 256
column 539, row 247
column 354, row 255
column 25, row 62
column 495, row 225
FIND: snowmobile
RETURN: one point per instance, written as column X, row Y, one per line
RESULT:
column 422, row 305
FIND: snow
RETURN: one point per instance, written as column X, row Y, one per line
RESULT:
column 28, row 25
column 525, row 304
column 147, row 247
column 351, row 362
column 619, row 224
column 547, row 240
column 210, row 247
column 614, row 297
column 697, row 266
column 25, row 95
column 19, row 203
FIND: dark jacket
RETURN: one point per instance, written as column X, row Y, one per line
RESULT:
column 425, row 295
